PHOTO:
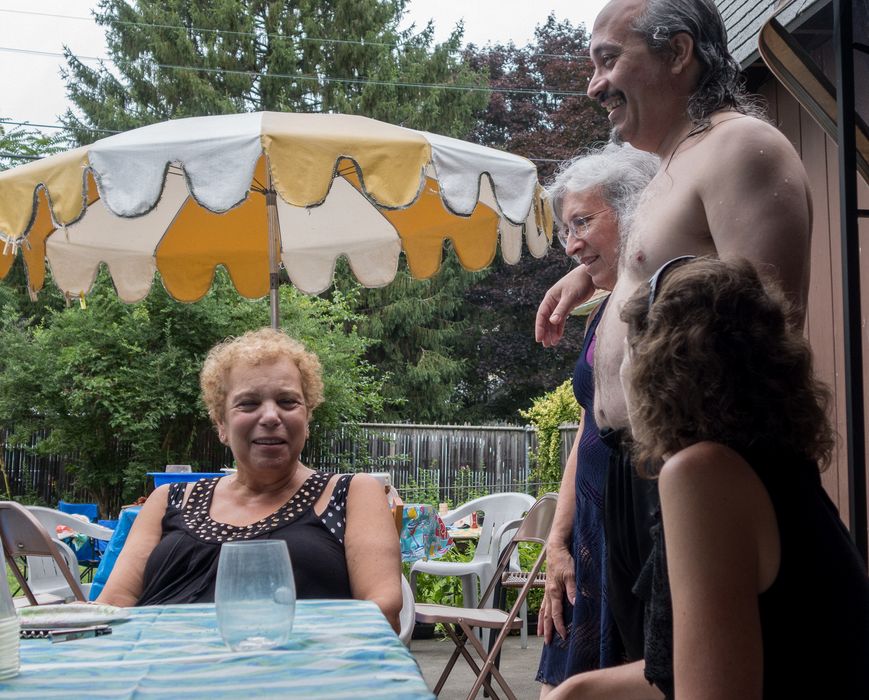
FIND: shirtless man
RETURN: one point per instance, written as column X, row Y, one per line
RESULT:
column 729, row 184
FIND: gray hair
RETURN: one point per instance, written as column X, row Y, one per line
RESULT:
column 621, row 173
column 721, row 85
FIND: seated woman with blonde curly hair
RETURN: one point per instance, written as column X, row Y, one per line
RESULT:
column 261, row 390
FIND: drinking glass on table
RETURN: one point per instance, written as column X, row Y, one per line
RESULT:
column 255, row 594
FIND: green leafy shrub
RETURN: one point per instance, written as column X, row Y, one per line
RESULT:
column 426, row 490
column 469, row 484
column 546, row 414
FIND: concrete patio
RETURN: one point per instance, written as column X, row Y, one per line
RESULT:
column 518, row 665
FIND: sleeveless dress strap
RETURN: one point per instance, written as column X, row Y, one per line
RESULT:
column 176, row 493
column 335, row 516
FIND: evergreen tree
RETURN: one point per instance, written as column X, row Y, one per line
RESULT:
column 547, row 118
column 181, row 58
column 422, row 342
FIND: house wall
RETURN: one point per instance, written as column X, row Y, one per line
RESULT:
column 824, row 322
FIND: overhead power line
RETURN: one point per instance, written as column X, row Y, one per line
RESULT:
column 18, row 156
column 57, row 126
column 318, row 40
column 323, row 78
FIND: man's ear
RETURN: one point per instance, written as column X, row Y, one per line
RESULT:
column 682, row 46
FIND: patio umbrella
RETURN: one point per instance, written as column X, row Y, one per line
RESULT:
column 251, row 191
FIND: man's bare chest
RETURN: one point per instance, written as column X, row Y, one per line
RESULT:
column 670, row 220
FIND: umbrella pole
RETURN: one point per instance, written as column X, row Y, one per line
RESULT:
column 274, row 247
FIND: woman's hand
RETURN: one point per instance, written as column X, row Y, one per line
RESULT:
column 561, row 298
column 560, row 582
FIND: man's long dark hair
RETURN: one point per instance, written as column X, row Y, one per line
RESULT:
column 721, row 85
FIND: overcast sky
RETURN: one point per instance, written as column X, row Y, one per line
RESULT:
column 31, row 31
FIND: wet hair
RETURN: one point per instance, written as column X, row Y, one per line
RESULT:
column 621, row 173
column 714, row 358
column 721, row 85
column 256, row 348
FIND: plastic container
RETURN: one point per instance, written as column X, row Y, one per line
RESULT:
column 161, row 478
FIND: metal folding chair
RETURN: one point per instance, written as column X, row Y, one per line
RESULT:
column 24, row 536
column 460, row 623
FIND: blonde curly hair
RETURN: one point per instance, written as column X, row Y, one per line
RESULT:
column 714, row 357
column 256, row 348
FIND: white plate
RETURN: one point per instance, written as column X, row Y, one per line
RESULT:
column 70, row 615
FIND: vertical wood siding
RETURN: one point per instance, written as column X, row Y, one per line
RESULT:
column 824, row 313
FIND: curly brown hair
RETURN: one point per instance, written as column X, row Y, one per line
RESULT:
column 257, row 347
column 714, row 358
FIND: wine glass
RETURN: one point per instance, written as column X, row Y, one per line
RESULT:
column 255, row 594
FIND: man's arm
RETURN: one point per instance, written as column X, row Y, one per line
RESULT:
column 758, row 205
column 561, row 298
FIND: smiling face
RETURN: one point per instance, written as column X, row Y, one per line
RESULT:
column 596, row 244
column 265, row 420
column 631, row 82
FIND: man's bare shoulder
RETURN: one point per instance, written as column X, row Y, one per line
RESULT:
column 737, row 138
column 744, row 153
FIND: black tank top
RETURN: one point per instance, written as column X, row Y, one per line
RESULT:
column 182, row 568
column 814, row 617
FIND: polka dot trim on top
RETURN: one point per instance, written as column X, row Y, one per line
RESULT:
column 335, row 515
column 200, row 524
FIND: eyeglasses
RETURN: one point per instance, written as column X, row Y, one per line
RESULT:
column 656, row 278
column 573, row 226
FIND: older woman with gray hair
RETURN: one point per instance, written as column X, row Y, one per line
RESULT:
column 593, row 197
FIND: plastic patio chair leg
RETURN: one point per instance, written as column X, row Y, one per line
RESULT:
column 411, row 579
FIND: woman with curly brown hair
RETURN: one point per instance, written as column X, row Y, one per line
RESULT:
column 754, row 588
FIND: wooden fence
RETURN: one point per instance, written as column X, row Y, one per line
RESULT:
column 426, row 462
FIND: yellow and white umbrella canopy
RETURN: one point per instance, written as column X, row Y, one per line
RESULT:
column 186, row 195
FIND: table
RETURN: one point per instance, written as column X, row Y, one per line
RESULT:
column 464, row 533
column 423, row 533
column 338, row 649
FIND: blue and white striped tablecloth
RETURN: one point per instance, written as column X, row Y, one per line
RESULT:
column 338, row 649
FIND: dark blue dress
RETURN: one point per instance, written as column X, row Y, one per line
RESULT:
column 593, row 641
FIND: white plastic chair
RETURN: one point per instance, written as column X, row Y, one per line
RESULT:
column 461, row 624
column 502, row 513
column 406, row 617
column 43, row 576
